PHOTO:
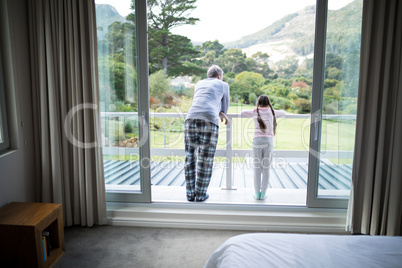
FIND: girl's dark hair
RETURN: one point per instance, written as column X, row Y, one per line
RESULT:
column 264, row 101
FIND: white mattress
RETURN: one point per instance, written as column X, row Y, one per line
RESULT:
column 303, row 250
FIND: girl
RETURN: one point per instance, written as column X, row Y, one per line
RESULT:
column 263, row 143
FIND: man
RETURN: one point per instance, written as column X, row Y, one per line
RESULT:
column 201, row 129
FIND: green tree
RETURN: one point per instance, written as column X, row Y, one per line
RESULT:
column 261, row 66
column 334, row 73
column 232, row 60
column 286, row 82
column 276, row 89
column 179, row 51
column 210, row 46
column 246, row 83
column 115, row 75
column 259, row 56
column 209, row 58
column 287, row 67
column 251, row 64
column 332, row 61
column 168, row 51
column 121, row 37
column 305, row 69
column 116, row 61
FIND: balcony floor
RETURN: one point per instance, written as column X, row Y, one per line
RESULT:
column 288, row 181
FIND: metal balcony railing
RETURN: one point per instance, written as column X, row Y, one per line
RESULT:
column 228, row 152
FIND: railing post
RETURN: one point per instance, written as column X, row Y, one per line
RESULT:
column 229, row 177
column 164, row 133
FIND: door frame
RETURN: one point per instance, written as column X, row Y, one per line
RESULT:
column 144, row 195
column 313, row 199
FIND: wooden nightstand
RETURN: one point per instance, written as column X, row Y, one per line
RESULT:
column 21, row 227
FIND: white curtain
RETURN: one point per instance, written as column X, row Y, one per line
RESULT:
column 377, row 170
column 65, row 81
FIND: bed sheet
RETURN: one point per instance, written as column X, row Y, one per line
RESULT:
column 307, row 250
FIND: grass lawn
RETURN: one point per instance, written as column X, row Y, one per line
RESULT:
column 235, row 108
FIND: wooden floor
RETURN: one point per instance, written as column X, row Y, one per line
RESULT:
column 292, row 175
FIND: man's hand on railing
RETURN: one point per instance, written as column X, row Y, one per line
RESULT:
column 223, row 116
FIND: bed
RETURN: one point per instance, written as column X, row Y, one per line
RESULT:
column 307, row 250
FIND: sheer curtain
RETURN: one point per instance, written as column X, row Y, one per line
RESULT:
column 66, row 97
column 377, row 171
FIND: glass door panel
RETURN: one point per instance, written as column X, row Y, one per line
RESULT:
column 124, row 117
column 334, row 122
column 341, row 75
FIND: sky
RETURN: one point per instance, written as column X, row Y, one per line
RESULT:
column 229, row 20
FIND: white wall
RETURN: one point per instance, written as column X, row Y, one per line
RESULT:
column 17, row 166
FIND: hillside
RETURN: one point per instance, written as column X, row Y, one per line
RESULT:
column 293, row 35
column 106, row 15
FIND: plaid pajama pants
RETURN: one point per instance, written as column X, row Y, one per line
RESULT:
column 199, row 135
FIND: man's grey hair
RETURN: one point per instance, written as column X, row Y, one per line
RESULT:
column 213, row 71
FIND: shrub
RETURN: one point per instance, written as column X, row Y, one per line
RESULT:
column 159, row 83
column 280, row 103
column 330, row 83
column 277, row 89
column 334, row 73
column 332, row 92
column 351, row 109
column 267, row 81
column 282, row 91
column 252, row 97
column 230, row 75
column 304, row 93
column 308, row 81
column 229, row 80
column 120, row 106
column 292, row 96
column 303, row 106
column 128, row 126
column 331, row 108
column 285, row 82
column 299, row 84
column 169, row 99
column 153, row 102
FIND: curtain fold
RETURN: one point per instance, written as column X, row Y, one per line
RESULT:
column 377, row 170
column 66, row 96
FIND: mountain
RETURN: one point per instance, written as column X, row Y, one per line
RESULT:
column 293, row 35
column 106, row 15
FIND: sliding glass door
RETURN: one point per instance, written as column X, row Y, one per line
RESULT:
column 123, row 85
column 316, row 84
column 334, row 102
